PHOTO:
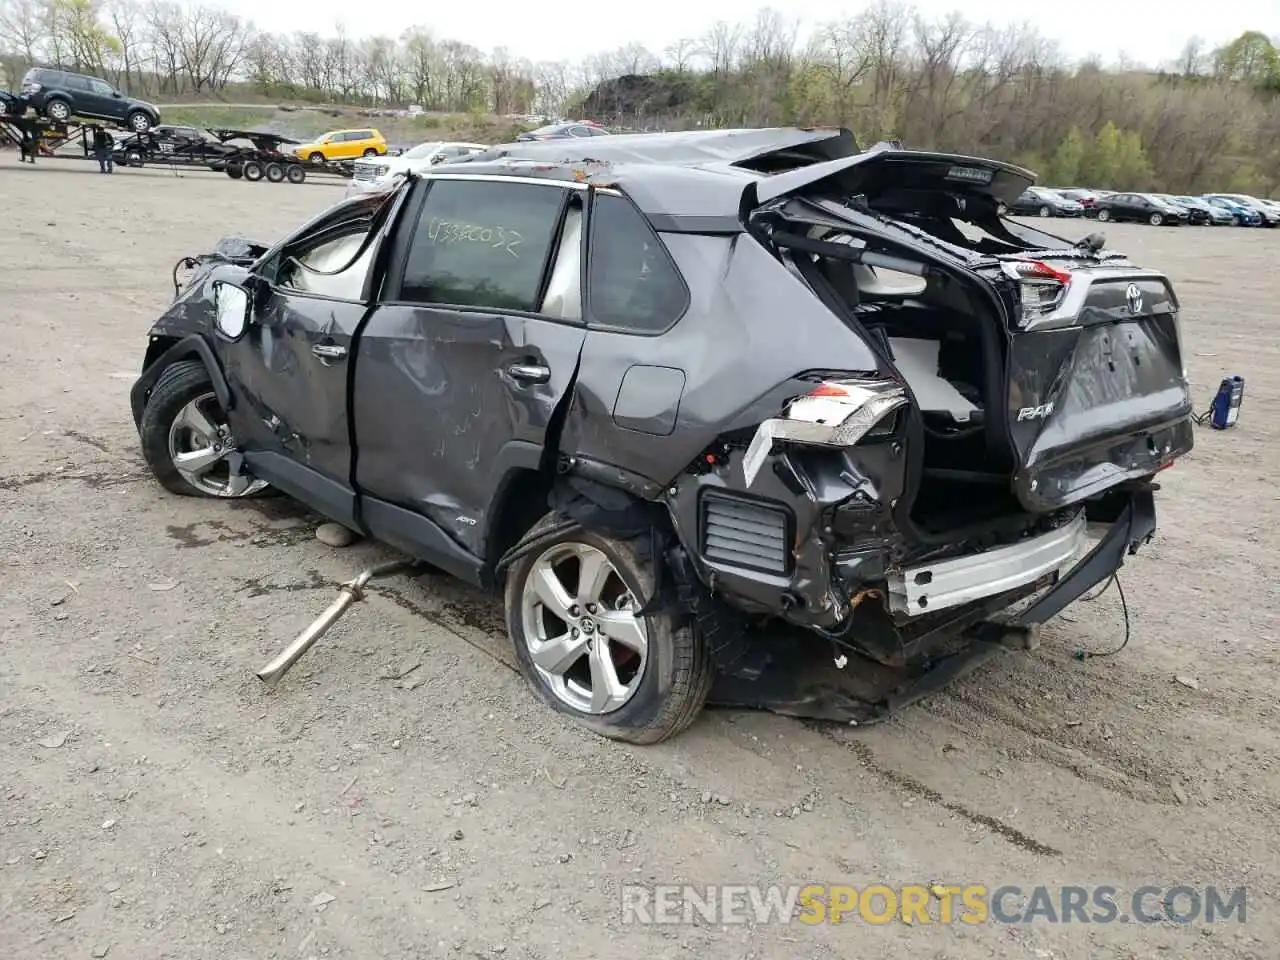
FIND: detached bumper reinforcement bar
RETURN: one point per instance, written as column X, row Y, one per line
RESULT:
column 930, row 587
column 1134, row 526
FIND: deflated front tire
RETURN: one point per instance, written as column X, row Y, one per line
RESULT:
column 185, row 438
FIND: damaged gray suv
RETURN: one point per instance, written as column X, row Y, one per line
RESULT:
column 748, row 416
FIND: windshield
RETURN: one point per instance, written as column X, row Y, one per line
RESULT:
column 421, row 151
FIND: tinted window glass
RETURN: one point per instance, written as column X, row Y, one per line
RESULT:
column 76, row 83
column 482, row 244
column 631, row 281
column 101, row 88
column 333, row 255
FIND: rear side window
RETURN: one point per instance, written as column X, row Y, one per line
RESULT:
column 632, row 284
column 482, row 244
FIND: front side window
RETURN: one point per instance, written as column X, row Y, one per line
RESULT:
column 632, row 283
column 482, row 244
column 101, row 88
column 330, row 268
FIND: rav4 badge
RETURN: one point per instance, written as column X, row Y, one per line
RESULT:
column 1035, row 413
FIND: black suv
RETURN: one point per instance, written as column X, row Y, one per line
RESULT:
column 665, row 399
column 61, row 95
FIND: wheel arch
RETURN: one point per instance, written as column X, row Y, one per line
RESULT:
column 163, row 351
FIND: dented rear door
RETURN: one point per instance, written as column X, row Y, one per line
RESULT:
column 1097, row 388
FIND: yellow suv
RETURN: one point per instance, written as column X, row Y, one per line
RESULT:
column 343, row 145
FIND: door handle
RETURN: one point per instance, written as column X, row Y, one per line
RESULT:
column 529, row 372
column 328, row 352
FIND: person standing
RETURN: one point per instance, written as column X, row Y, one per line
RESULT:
column 28, row 142
column 102, row 146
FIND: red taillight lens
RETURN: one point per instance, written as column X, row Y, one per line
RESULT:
column 1038, row 270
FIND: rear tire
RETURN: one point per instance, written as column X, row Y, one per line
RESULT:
column 275, row 173
column 370, row 152
column 295, row 173
column 133, row 158
column 59, row 111
column 183, row 418
column 253, row 171
column 1002, row 209
column 656, row 700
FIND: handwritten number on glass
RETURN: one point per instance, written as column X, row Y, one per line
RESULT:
column 450, row 232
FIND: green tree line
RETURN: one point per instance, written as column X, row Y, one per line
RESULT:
column 1208, row 119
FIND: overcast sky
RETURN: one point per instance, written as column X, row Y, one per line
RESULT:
column 1148, row 31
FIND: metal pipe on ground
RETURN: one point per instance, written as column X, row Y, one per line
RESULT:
column 351, row 592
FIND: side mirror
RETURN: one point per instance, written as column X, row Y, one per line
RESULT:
column 117, row 94
column 231, row 306
column 437, row 158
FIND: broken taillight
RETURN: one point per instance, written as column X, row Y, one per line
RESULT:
column 1041, row 287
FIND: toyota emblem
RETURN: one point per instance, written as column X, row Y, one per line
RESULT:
column 1133, row 297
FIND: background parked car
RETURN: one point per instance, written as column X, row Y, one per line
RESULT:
column 375, row 174
column 1267, row 217
column 61, row 95
column 1241, row 215
column 1086, row 198
column 1043, row 202
column 1198, row 212
column 1141, row 208
column 566, row 131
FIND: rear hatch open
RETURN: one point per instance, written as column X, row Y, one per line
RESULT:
column 1072, row 367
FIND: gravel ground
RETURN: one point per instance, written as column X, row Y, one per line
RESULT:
column 403, row 796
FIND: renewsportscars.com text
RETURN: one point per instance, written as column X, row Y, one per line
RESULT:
column 817, row 903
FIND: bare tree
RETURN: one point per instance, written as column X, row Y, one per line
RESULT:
column 681, row 55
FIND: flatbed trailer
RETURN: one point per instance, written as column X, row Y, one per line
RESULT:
column 265, row 159
column 50, row 136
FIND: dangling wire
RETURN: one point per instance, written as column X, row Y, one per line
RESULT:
column 1083, row 654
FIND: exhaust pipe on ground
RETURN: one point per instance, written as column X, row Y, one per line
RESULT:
column 351, row 592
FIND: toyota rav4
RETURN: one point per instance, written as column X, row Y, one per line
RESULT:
column 666, row 390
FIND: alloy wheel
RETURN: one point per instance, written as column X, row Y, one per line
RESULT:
column 199, row 445
column 583, row 635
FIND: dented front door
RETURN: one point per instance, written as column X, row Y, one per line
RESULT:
column 289, row 374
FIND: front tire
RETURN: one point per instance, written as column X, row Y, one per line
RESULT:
column 185, row 437
column 59, row 111
column 1155, row 220
column 370, row 152
column 139, row 122
column 580, row 648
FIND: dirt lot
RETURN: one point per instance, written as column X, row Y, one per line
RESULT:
column 155, row 802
